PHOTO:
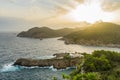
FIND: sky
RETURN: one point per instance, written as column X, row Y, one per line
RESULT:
column 18, row 15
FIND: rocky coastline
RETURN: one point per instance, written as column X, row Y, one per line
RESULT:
column 102, row 34
column 89, row 43
column 61, row 61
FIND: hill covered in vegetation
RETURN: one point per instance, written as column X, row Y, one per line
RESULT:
column 98, row 34
column 45, row 32
column 100, row 65
column 104, row 63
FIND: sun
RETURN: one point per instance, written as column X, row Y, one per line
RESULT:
column 89, row 12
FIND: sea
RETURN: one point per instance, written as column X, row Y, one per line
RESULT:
column 13, row 48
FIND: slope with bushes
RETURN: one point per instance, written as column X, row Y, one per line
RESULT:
column 99, row 34
column 100, row 65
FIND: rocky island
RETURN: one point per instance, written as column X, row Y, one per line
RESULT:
column 45, row 32
column 61, row 61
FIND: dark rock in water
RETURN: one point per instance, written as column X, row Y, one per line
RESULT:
column 41, row 39
column 57, row 63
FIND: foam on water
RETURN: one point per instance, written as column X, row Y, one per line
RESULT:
column 9, row 67
column 46, row 67
column 52, row 68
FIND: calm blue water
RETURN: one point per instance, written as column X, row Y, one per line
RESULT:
column 12, row 48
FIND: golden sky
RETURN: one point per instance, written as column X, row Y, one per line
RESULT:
column 23, row 14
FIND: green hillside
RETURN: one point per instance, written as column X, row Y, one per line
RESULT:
column 99, row 65
column 45, row 32
column 96, row 34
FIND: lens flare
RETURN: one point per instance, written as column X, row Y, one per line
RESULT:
column 90, row 12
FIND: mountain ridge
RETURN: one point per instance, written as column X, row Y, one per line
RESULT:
column 98, row 34
column 45, row 32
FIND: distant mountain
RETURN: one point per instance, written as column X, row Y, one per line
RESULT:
column 100, row 34
column 65, row 31
column 45, row 32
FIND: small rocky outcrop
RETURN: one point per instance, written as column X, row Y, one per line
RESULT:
column 58, row 63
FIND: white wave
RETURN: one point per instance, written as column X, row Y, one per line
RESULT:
column 24, row 67
column 46, row 67
column 53, row 69
column 9, row 67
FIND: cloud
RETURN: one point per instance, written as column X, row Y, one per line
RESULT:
column 111, row 5
column 12, row 0
column 80, row 1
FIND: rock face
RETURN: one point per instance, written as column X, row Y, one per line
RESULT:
column 58, row 63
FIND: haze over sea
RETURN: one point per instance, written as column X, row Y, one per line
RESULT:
column 12, row 48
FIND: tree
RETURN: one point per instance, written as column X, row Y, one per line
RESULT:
column 54, row 78
column 65, row 76
column 87, row 76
